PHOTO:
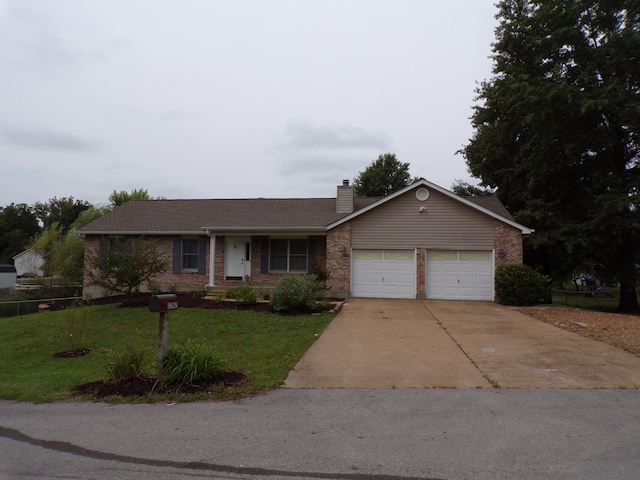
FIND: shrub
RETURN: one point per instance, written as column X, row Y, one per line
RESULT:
column 154, row 287
column 189, row 364
column 521, row 285
column 128, row 364
column 200, row 293
column 246, row 294
column 296, row 294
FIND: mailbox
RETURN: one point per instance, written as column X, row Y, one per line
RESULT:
column 163, row 303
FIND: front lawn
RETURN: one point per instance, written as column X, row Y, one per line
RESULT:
column 262, row 346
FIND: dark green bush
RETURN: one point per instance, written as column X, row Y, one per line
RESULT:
column 521, row 285
column 246, row 294
column 297, row 293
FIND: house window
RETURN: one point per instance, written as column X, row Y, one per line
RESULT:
column 190, row 254
column 288, row 255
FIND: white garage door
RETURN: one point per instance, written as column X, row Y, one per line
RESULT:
column 383, row 273
column 459, row 275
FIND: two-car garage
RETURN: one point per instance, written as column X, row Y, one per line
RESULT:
column 461, row 275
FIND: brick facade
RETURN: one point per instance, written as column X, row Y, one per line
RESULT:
column 421, row 255
column 167, row 280
column 508, row 244
column 339, row 260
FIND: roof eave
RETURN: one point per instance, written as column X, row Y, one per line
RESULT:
column 439, row 189
column 140, row 233
column 266, row 230
column 214, row 230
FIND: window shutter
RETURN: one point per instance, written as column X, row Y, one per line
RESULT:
column 312, row 253
column 202, row 255
column 177, row 247
column 102, row 255
column 264, row 256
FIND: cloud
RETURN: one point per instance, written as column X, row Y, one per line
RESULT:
column 46, row 139
column 316, row 155
column 36, row 39
column 301, row 134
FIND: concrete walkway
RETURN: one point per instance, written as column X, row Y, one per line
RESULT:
column 378, row 343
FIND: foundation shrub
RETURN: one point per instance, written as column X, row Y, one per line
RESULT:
column 297, row 293
column 246, row 294
column 521, row 285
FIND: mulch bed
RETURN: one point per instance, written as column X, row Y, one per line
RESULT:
column 142, row 386
column 80, row 352
column 187, row 300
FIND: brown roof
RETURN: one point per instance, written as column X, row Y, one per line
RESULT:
column 491, row 202
column 164, row 216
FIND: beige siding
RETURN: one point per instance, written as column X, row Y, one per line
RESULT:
column 445, row 224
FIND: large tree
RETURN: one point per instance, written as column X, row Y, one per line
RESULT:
column 18, row 226
column 120, row 198
column 557, row 132
column 382, row 177
column 63, row 211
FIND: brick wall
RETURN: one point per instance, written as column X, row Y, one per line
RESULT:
column 420, row 265
column 339, row 260
column 508, row 244
column 184, row 281
column 188, row 281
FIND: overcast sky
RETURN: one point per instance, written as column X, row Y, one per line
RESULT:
column 234, row 98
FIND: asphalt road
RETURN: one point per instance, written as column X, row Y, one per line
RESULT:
column 331, row 434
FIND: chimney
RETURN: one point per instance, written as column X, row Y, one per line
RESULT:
column 344, row 199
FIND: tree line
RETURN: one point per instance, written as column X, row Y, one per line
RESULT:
column 49, row 229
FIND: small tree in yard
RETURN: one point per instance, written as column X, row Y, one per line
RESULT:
column 123, row 265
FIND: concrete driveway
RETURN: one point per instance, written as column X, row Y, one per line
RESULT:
column 376, row 343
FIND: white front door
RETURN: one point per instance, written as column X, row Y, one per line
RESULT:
column 237, row 258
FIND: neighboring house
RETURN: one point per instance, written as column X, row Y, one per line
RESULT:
column 8, row 276
column 420, row 242
column 29, row 264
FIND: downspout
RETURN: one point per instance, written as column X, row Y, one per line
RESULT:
column 212, row 257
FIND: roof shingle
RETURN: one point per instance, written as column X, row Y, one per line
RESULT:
column 149, row 216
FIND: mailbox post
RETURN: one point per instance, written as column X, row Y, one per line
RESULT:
column 162, row 304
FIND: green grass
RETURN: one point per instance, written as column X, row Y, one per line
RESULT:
column 568, row 296
column 264, row 347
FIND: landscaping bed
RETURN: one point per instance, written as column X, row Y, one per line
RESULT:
column 619, row 330
column 189, row 300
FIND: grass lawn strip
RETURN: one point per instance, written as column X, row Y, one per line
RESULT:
column 262, row 346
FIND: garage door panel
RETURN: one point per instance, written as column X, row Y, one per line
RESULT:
column 465, row 275
column 467, row 268
column 384, row 273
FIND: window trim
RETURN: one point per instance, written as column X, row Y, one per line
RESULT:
column 178, row 252
column 195, row 255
